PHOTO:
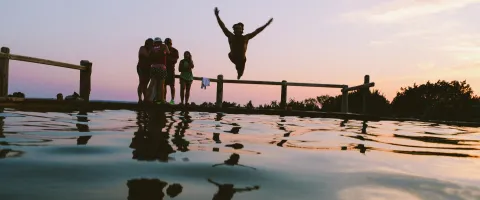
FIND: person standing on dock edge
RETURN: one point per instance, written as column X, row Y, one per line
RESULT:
column 158, row 71
column 172, row 59
column 238, row 42
column 143, row 69
column 186, row 76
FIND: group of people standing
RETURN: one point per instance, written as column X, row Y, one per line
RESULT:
column 156, row 71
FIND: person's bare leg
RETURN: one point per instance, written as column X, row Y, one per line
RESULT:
column 142, row 88
column 182, row 92
column 160, row 90
column 139, row 90
column 165, row 90
column 150, row 89
column 172, row 91
column 187, row 93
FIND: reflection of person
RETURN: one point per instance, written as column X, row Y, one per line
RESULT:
column 238, row 42
column 226, row 191
column 150, row 141
column 233, row 160
column 145, row 189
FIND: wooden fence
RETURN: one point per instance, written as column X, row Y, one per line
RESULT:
column 283, row 98
column 85, row 68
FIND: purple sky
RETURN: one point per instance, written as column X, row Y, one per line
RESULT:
column 396, row 42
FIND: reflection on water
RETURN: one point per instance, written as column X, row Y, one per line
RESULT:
column 159, row 155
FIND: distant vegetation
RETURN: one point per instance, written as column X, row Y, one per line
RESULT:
column 441, row 101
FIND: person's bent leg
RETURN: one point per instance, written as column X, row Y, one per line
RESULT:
column 240, row 69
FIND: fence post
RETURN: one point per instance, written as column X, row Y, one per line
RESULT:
column 366, row 80
column 4, row 73
column 85, row 80
column 219, row 91
column 283, row 97
column 344, row 108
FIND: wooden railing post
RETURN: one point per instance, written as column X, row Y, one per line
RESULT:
column 365, row 92
column 4, row 73
column 85, row 80
column 283, row 97
column 344, row 108
column 219, row 91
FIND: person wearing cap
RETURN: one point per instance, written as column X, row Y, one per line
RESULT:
column 238, row 42
column 158, row 73
column 172, row 59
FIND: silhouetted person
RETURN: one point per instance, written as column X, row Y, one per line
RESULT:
column 185, row 68
column 172, row 59
column 238, row 42
column 226, row 191
column 233, row 160
column 143, row 69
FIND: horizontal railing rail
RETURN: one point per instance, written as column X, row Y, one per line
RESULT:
column 85, row 69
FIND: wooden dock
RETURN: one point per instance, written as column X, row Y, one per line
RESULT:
column 85, row 69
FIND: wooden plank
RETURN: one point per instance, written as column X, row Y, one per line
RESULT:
column 42, row 61
column 359, row 87
column 316, row 85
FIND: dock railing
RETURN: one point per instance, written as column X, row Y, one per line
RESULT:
column 283, row 97
column 85, row 69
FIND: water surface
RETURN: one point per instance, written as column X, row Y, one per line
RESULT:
column 155, row 155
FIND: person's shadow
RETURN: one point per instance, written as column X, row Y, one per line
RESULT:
column 226, row 191
column 146, row 189
column 150, row 142
column 232, row 161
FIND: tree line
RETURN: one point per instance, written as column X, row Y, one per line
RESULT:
column 441, row 100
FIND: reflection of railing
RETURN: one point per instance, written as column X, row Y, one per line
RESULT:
column 283, row 99
column 85, row 68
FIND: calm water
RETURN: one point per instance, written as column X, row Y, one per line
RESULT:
column 129, row 155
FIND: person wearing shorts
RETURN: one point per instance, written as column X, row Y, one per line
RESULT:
column 186, row 76
column 158, row 71
column 172, row 59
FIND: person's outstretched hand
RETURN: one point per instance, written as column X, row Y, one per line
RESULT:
column 216, row 11
column 270, row 21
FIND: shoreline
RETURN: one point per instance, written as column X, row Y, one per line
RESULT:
column 52, row 105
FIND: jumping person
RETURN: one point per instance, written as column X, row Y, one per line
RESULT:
column 238, row 42
column 172, row 59
column 143, row 68
column 186, row 76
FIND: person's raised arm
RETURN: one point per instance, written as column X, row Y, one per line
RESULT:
column 222, row 25
column 258, row 30
column 166, row 49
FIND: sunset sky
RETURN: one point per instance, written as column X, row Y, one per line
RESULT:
column 396, row 42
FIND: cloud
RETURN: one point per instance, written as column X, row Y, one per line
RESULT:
column 400, row 10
